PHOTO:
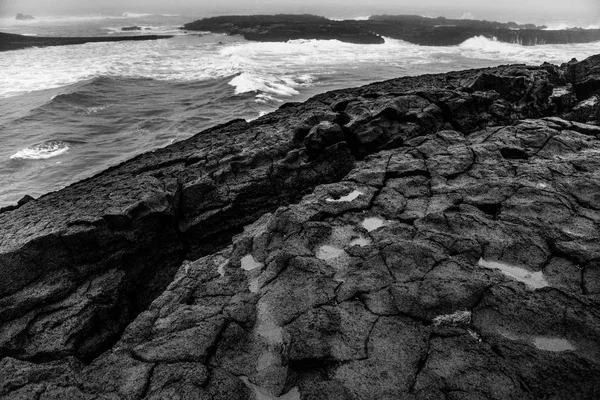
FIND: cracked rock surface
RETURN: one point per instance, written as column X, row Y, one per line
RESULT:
column 435, row 237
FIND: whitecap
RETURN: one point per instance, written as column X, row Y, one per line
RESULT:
column 135, row 15
column 485, row 44
column 42, row 151
column 94, row 110
column 247, row 82
column 558, row 27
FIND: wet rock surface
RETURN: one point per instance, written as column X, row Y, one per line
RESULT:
column 429, row 237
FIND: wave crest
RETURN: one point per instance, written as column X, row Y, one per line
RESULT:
column 135, row 15
column 42, row 151
column 266, row 85
column 486, row 44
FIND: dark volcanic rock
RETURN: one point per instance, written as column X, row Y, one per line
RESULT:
column 426, row 237
column 411, row 28
column 585, row 77
column 284, row 27
column 449, row 32
column 11, row 41
column 131, row 28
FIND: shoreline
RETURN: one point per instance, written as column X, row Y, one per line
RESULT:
column 397, row 226
column 411, row 28
column 11, row 41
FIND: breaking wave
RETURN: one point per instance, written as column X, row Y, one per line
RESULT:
column 135, row 15
column 42, row 151
column 265, row 85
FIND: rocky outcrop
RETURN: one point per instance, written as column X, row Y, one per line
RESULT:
column 11, row 41
column 411, row 28
column 131, row 28
column 284, row 27
column 427, row 237
column 450, row 32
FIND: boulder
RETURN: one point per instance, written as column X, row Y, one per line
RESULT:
column 585, row 77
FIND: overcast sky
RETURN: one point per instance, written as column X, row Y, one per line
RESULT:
column 342, row 8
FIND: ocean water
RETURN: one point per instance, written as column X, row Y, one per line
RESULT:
column 68, row 112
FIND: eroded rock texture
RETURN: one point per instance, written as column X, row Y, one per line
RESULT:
column 424, row 238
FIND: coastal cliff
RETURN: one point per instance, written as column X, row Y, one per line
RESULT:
column 424, row 237
column 411, row 28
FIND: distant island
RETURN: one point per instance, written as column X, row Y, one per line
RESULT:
column 24, row 17
column 10, row 41
column 411, row 28
column 284, row 27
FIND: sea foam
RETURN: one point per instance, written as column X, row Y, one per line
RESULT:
column 42, row 151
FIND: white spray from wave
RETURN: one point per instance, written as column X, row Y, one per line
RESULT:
column 562, row 26
column 42, row 151
column 272, row 70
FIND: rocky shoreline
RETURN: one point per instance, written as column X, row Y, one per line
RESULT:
column 411, row 28
column 422, row 238
column 11, row 41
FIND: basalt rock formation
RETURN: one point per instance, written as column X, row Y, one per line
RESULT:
column 433, row 237
column 411, row 28
column 11, row 41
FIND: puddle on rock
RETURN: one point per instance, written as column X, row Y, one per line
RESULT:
column 553, row 344
column 545, row 343
column 360, row 241
column 534, row 280
column 372, row 223
column 266, row 326
column 253, row 285
column 249, row 263
column 327, row 252
column 349, row 197
column 264, row 394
